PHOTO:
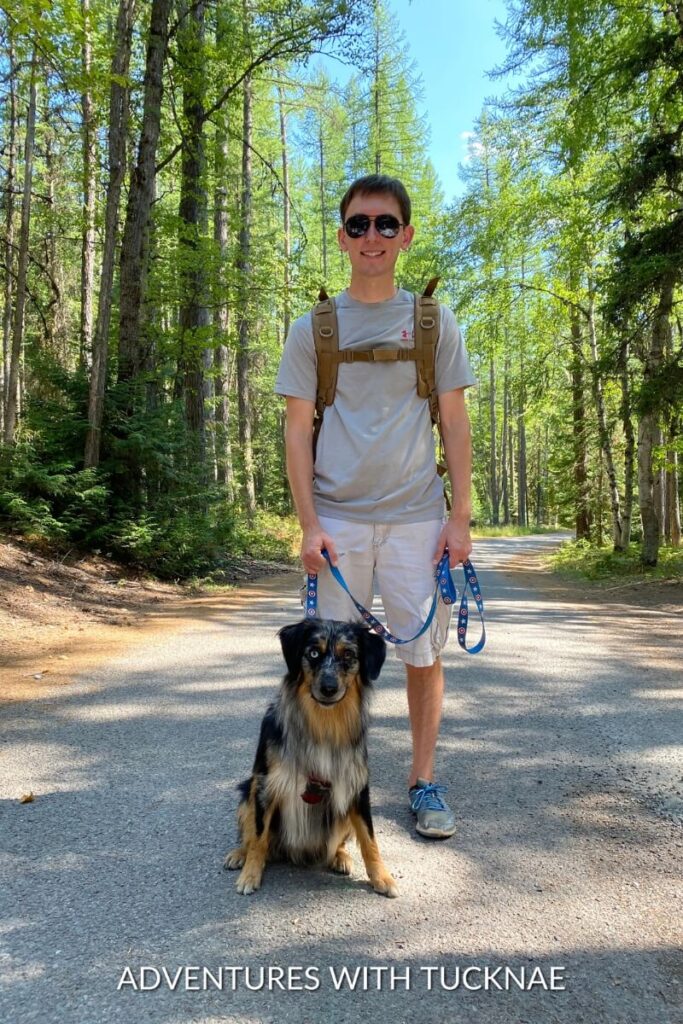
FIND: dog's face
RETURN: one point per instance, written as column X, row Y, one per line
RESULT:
column 330, row 657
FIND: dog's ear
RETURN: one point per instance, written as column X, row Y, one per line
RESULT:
column 293, row 639
column 374, row 652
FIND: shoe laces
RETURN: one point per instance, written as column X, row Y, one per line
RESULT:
column 429, row 797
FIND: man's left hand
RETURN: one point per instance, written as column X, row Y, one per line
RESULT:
column 456, row 537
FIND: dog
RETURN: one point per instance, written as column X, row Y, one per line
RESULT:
column 308, row 792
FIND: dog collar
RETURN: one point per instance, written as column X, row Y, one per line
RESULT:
column 315, row 790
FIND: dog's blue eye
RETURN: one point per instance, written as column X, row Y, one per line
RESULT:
column 313, row 654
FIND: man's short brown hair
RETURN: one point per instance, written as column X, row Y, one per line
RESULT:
column 377, row 184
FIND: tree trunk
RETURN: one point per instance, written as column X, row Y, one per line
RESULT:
column 582, row 498
column 56, row 332
column 649, row 427
column 495, row 497
column 629, row 447
column 134, row 248
column 504, row 470
column 22, row 267
column 603, row 433
column 323, row 212
column 243, row 350
column 378, row 148
column 287, row 299
column 286, row 219
column 11, row 121
column 118, row 130
column 194, row 312
column 673, row 508
column 89, row 196
column 224, row 472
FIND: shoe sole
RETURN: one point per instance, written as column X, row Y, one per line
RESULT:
column 435, row 833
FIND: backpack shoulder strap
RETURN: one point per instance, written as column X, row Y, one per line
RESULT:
column 427, row 326
column 326, row 341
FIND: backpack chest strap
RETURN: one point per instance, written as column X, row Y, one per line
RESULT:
column 376, row 355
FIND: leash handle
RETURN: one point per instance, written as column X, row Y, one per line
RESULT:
column 472, row 582
column 444, row 585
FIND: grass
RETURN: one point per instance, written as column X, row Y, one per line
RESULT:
column 483, row 530
column 580, row 560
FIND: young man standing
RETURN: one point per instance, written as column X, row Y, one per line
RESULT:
column 373, row 497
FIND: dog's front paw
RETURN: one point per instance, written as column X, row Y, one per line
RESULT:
column 385, row 885
column 234, row 859
column 342, row 862
column 249, row 881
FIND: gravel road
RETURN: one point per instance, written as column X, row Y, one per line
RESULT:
column 561, row 749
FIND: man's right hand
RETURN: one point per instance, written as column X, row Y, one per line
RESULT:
column 312, row 543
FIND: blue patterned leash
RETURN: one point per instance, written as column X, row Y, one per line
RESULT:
column 444, row 585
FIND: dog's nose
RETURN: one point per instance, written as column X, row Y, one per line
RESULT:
column 328, row 686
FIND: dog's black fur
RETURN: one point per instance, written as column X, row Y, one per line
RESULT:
column 308, row 791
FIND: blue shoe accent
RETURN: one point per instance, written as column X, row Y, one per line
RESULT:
column 435, row 819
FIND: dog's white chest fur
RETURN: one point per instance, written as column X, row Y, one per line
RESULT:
column 305, row 827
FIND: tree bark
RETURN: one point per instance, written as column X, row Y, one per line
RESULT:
column 504, row 470
column 221, row 363
column 649, row 426
column 603, row 432
column 11, row 121
column 243, row 351
column 134, row 248
column 629, row 447
column 118, row 130
column 89, row 174
column 287, row 287
column 495, row 497
column 22, row 266
column 194, row 312
column 583, row 518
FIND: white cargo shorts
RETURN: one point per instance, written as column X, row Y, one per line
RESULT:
column 396, row 561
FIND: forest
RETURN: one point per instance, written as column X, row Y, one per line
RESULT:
column 169, row 186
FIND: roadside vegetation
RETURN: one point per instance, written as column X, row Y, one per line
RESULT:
column 169, row 196
column 580, row 560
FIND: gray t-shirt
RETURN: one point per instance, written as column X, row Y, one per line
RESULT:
column 375, row 459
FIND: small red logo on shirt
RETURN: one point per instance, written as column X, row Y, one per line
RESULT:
column 406, row 334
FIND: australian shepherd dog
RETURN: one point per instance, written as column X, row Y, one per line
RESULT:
column 308, row 792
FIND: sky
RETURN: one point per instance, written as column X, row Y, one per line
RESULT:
column 453, row 43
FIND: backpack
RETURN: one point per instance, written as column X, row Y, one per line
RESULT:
column 329, row 356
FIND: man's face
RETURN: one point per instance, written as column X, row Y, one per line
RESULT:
column 372, row 255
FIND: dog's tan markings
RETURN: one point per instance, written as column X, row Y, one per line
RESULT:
column 342, row 861
column 256, row 855
column 338, row 724
column 380, row 879
column 235, row 858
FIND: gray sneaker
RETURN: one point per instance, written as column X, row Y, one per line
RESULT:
column 434, row 817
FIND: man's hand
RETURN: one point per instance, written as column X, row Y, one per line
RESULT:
column 312, row 543
column 456, row 537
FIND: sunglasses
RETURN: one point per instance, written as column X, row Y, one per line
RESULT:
column 386, row 225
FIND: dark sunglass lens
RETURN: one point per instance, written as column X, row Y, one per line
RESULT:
column 357, row 225
column 387, row 226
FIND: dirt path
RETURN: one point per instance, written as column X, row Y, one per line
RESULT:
column 561, row 749
column 61, row 618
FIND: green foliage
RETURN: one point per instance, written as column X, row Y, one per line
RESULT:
column 581, row 560
column 569, row 225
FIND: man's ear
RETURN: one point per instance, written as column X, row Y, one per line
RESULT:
column 341, row 238
column 293, row 640
column 408, row 235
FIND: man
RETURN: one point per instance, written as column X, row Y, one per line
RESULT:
column 374, row 498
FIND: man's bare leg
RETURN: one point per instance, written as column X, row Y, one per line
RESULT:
column 425, row 699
